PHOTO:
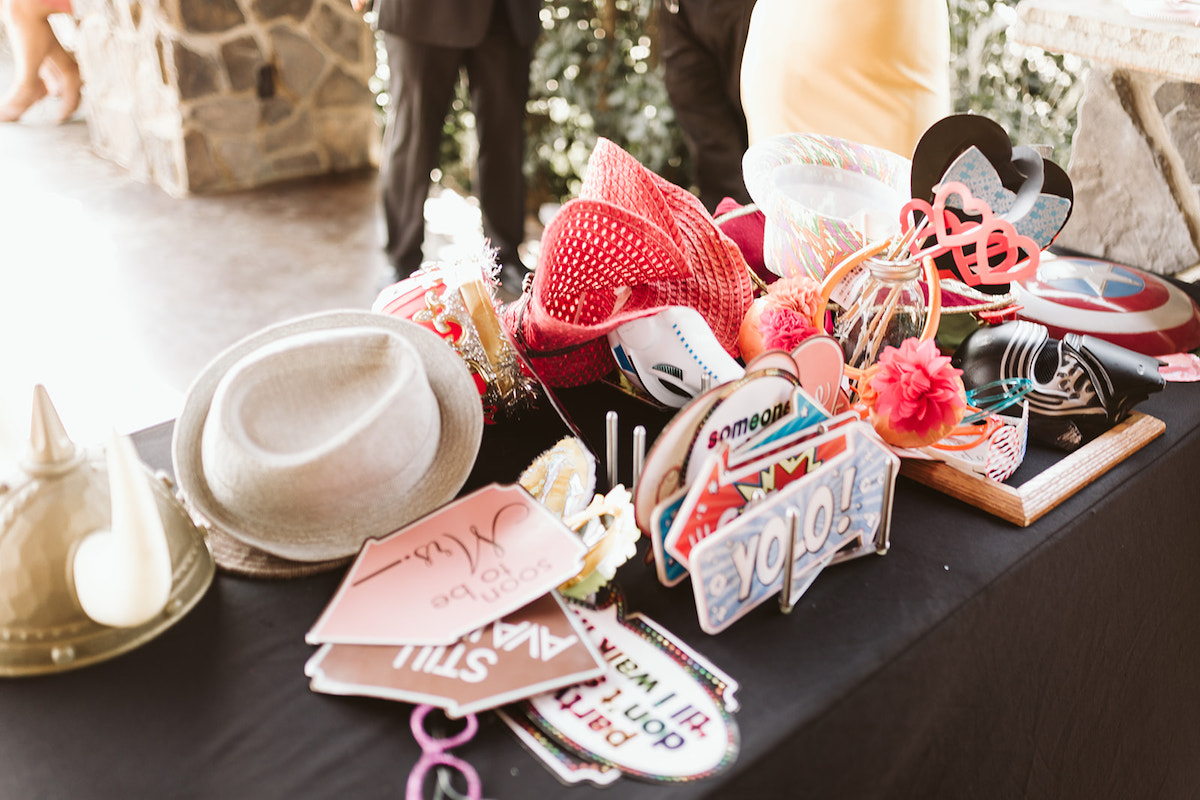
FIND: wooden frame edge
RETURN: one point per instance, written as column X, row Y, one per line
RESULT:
column 1025, row 504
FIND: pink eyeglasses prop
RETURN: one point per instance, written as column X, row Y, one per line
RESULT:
column 987, row 238
column 433, row 753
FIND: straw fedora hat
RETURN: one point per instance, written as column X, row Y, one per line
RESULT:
column 310, row 436
column 630, row 245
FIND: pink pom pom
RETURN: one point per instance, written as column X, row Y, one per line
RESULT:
column 916, row 391
column 801, row 294
column 784, row 328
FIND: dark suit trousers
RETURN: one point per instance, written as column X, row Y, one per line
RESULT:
column 702, row 62
column 422, row 84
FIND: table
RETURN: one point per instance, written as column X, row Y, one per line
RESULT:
column 976, row 659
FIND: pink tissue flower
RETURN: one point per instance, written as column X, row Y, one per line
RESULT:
column 916, row 391
column 801, row 294
column 784, row 328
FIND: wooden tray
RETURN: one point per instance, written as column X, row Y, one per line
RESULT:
column 1026, row 503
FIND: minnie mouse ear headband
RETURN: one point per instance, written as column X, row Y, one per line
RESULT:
column 630, row 245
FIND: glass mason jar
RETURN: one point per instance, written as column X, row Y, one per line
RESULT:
column 888, row 309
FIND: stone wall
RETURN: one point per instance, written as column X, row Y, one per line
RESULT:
column 1135, row 166
column 1135, row 159
column 212, row 95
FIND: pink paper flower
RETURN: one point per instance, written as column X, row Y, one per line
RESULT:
column 801, row 294
column 917, row 393
column 784, row 328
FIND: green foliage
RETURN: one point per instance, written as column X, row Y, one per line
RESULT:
column 1032, row 93
column 596, row 73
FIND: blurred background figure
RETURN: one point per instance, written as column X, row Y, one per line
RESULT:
column 702, row 43
column 871, row 71
column 427, row 42
column 42, row 65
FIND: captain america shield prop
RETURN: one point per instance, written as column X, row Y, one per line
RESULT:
column 1120, row 304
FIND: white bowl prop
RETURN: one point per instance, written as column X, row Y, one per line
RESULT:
column 823, row 199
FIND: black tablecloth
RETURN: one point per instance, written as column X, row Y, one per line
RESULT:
column 976, row 659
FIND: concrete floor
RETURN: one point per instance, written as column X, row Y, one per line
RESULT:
column 115, row 295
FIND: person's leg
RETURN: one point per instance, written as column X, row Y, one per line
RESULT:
column 421, row 87
column 50, row 77
column 66, row 83
column 702, row 49
column 30, row 33
column 498, row 73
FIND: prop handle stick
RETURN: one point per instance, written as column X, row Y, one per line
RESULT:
column 873, row 328
column 882, row 322
column 639, row 453
column 911, row 235
column 610, row 447
column 863, row 338
column 789, row 561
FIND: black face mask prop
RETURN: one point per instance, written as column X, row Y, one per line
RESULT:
column 1082, row 385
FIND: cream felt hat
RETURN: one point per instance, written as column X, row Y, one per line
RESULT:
column 309, row 437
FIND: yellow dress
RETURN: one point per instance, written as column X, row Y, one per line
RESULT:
column 871, row 71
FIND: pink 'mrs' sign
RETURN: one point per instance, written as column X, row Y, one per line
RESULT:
column 455, row 570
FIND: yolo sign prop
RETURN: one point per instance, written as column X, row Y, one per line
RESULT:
column 847, row 502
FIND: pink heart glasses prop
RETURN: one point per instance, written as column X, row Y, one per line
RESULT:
column 433, row 753
column 986, row 239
